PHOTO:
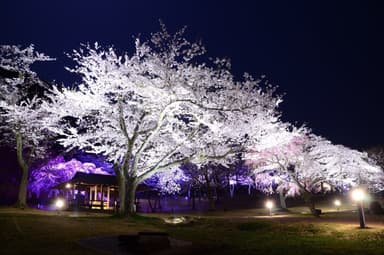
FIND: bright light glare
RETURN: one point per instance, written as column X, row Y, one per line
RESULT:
column 68, row 185
column 337, row 202
column 59, row 203
column 269, row 204
column 358, row 195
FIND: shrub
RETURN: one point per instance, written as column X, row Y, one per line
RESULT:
column 375, row 208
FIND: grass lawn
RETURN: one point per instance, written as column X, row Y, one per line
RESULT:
column 36, row 232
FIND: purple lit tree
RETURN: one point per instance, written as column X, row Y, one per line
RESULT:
column 168, row 182
column 158, row 108
column 22, row 124
column 58, row 170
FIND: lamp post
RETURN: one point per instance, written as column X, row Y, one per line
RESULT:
column 358, row 195
column 269, row 205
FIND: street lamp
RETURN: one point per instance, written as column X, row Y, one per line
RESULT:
column 358, row 195
column 337, row 203
column 269, row 205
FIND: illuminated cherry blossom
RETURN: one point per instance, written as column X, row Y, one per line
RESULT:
column 309, row 164
column 157, row 108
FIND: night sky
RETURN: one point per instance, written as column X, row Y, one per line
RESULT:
column 326, row 57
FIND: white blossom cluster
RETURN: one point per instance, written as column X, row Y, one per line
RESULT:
column 20, row 114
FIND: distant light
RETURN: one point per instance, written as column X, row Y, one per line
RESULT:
column 337, row 202
column 68, row 186
column 59, row 203
column 269, row 204
column 358, row 195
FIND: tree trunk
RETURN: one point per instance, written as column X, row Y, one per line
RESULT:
column 193, row 195
column 283, row 205
column 122, row 194
column 22, row 196
column 307, row 197
column 210, row 197
column 309, row 202
column 127, row 192
column 209, row 193
column 131, row 197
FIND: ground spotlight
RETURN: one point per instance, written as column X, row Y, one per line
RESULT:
column 269, row 204
column 337, row 203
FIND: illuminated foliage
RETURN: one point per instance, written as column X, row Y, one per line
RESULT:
column 21, row 115
column 309, row 164
column 153, row 110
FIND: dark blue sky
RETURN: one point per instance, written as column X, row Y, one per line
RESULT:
column 327, row 57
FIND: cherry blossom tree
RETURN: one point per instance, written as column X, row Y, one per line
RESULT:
column 20, row 112
column 310, row 164
column 157, row 108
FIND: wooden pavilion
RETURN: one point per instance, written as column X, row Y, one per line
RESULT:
column 92, row 191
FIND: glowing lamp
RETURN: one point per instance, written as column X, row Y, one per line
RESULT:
column 59, row 203
column 269, row 205
column 68, row 186
column 337, row 203
column 358, row 195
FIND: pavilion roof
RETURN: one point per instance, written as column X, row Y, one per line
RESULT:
column 96, row 179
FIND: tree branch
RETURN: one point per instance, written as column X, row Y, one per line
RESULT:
column 157, row 165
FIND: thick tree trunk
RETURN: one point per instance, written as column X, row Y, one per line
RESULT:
column 22, row 196
column 122, row 195
column 131, row 197
column 127, row 192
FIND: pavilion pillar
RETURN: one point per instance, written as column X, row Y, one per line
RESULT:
column 90, row 193
column 101, row 197
column 95, row 196
column 108, row 196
